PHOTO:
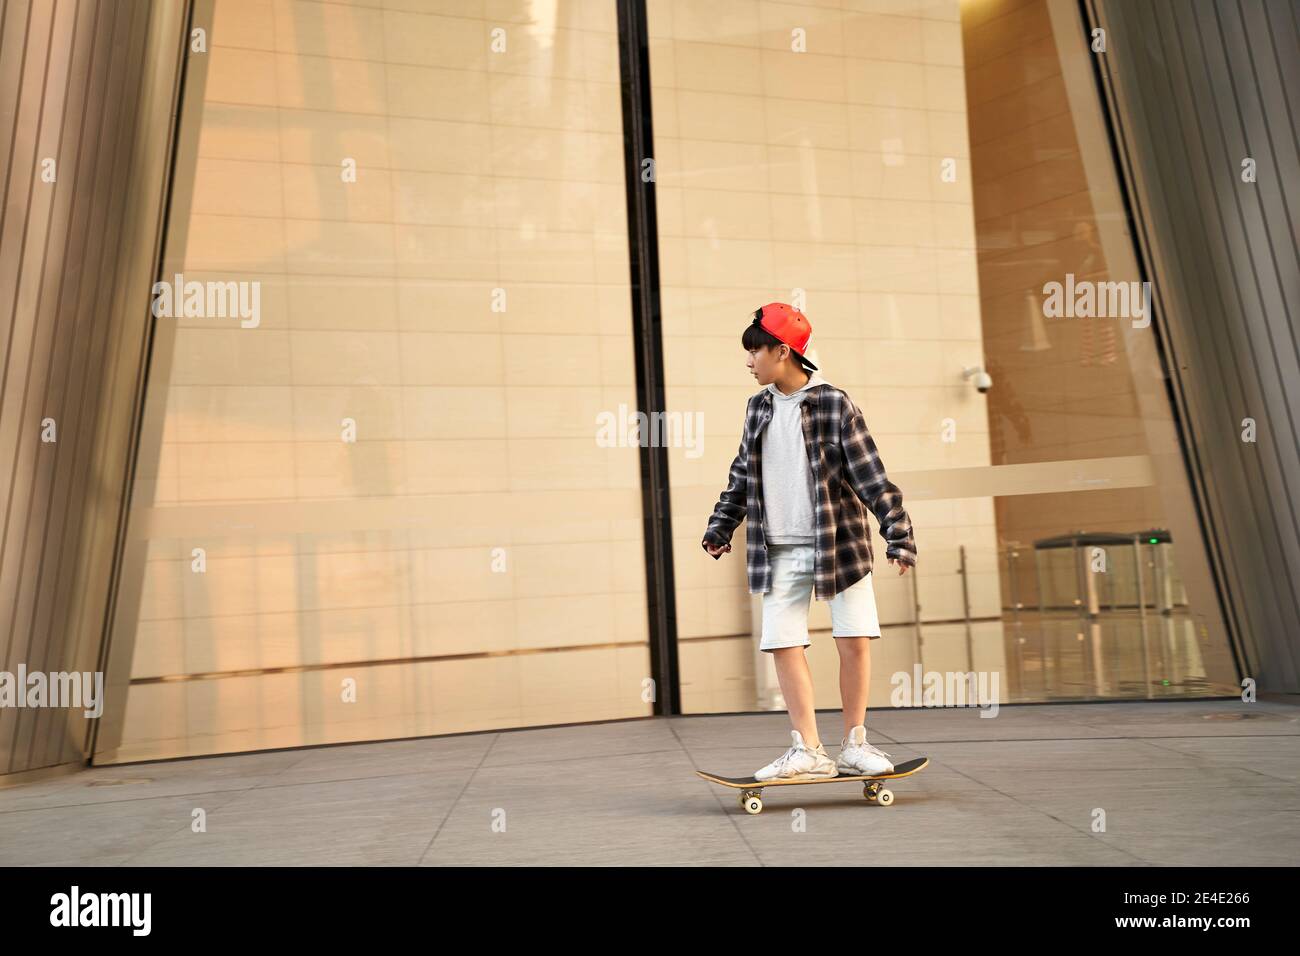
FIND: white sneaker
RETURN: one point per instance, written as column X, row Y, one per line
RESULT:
column 799, row 763
column 859, row 757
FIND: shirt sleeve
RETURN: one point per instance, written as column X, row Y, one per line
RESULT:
column 730, row 509
column 866, row 473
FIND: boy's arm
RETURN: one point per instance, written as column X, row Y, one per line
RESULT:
column 866, row 472
column 730, row 508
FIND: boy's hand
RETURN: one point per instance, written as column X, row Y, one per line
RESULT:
column 714, row 551
column 902, row 567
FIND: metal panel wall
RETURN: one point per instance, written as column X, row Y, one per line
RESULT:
column 87, row 92
column 1195, row 89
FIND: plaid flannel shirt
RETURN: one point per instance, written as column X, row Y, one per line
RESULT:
column 847, row 474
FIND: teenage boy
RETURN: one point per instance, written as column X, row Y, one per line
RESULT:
column 805, row 474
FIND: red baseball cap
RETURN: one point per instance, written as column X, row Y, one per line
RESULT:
column 789, row 325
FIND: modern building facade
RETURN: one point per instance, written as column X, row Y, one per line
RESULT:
column 340, row 316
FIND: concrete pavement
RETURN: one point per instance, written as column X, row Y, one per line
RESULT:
column 1186, row 782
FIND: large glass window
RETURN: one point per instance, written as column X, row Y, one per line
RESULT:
column 920, row 173
column 380, row 507
column 389, row 480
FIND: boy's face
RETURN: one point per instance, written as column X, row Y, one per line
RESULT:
column 765, row 361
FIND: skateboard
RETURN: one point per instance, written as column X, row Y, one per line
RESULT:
column 751, row 796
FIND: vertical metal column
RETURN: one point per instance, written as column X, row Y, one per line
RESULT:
column 647, row 339
column 965, row 608
column 88, row 96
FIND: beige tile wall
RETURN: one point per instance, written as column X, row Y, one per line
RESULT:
column 820, row 171
column 476, row 170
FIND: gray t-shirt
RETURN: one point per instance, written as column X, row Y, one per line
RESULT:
column 787, row 477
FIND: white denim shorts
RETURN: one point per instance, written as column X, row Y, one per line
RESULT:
column 785, row 607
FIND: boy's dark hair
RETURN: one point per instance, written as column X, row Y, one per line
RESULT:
column 757, row 337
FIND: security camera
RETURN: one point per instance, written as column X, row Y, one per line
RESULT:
column 982, row 380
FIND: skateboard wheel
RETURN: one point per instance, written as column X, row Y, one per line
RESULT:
column 869, row 792
column 753, row 804
column 885, row 798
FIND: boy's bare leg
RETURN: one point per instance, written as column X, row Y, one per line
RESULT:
column 797, row 687
column 855, row 677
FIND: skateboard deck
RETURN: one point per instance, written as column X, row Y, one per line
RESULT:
column 751, row 789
